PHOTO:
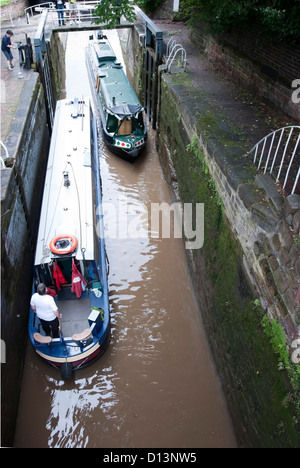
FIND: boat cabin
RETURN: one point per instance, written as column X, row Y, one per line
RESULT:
column 121, row 113
column 70, row 256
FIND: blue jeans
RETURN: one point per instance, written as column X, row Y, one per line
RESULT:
column 8, row 54
column 60, row 14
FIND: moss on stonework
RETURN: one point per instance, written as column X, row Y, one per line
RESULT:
column 260, row 393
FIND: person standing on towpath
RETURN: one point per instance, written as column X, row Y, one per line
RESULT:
column 6, row 47
column 60, row 6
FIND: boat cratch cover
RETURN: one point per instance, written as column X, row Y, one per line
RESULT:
column 125, row 111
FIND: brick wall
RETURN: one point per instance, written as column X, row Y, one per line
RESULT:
column 278, row 60
column 264, row 67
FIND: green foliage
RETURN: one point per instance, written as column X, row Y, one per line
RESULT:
column 221, row 14
column 110, row 12
column 281, row 23
column 99, row 310
column 149, row 5
column 194, row 149
column 276, row 336
column 278, row 18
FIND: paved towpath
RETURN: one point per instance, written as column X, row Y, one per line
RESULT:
column 248, row 116
column 13, row 82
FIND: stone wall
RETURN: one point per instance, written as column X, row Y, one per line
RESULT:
column 249, row 252
column 275, row 258
column 267, row 228
column 13, row 10
column 265, row 224
column 21, row 188
column 249, row 265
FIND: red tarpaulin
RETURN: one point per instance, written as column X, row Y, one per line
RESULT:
column 58, row 276
column 77, row 279
column 51, row 292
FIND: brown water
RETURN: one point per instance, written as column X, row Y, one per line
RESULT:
column 156, row 386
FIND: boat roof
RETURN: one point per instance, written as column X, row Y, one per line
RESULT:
column 67, row 206
column 115, row 86
column 104, row 51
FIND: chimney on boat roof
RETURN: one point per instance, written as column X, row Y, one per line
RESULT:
column 66, row 179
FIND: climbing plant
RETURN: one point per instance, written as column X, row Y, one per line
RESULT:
column 149, row 5
column 278, row 18
column 275, row 333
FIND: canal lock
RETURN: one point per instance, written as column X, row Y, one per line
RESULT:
column 15, row 295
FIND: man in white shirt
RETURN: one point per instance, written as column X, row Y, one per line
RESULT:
column 46, row 309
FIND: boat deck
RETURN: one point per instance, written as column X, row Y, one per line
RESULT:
column 75, row 313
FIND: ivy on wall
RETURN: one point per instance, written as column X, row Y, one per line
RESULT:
column 279, row 19
column 149, row 5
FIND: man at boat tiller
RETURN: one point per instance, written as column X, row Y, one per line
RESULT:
column 46, row 309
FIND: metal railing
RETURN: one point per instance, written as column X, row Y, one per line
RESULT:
column 31, row 10
column 9, row 17
column 278, row 153
column 84, row 11
column 173, row 49
column 2, row 161
column 152, row 32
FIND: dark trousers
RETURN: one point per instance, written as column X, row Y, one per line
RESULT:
column 60, row 14
column 51, row 326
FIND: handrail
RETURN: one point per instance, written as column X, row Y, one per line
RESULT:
column 3, row 166
column 37, row 8
column 9, row 14
column 278, row 154
column 172, row 51
column 50, row 7
column 146, row 20
column 152, row 30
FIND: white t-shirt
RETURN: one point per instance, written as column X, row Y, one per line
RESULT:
column 45, row 306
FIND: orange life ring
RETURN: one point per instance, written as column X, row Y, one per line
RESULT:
column 73, row 242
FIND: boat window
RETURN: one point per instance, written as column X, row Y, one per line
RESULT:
column 88, row 269
column 49, row 275
column 112, row 123
column 66, row 268
column 125, row 127
column 138, row 123
column 44, row 274
column 97, row 84
column 93, row 274
column 140, row 120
